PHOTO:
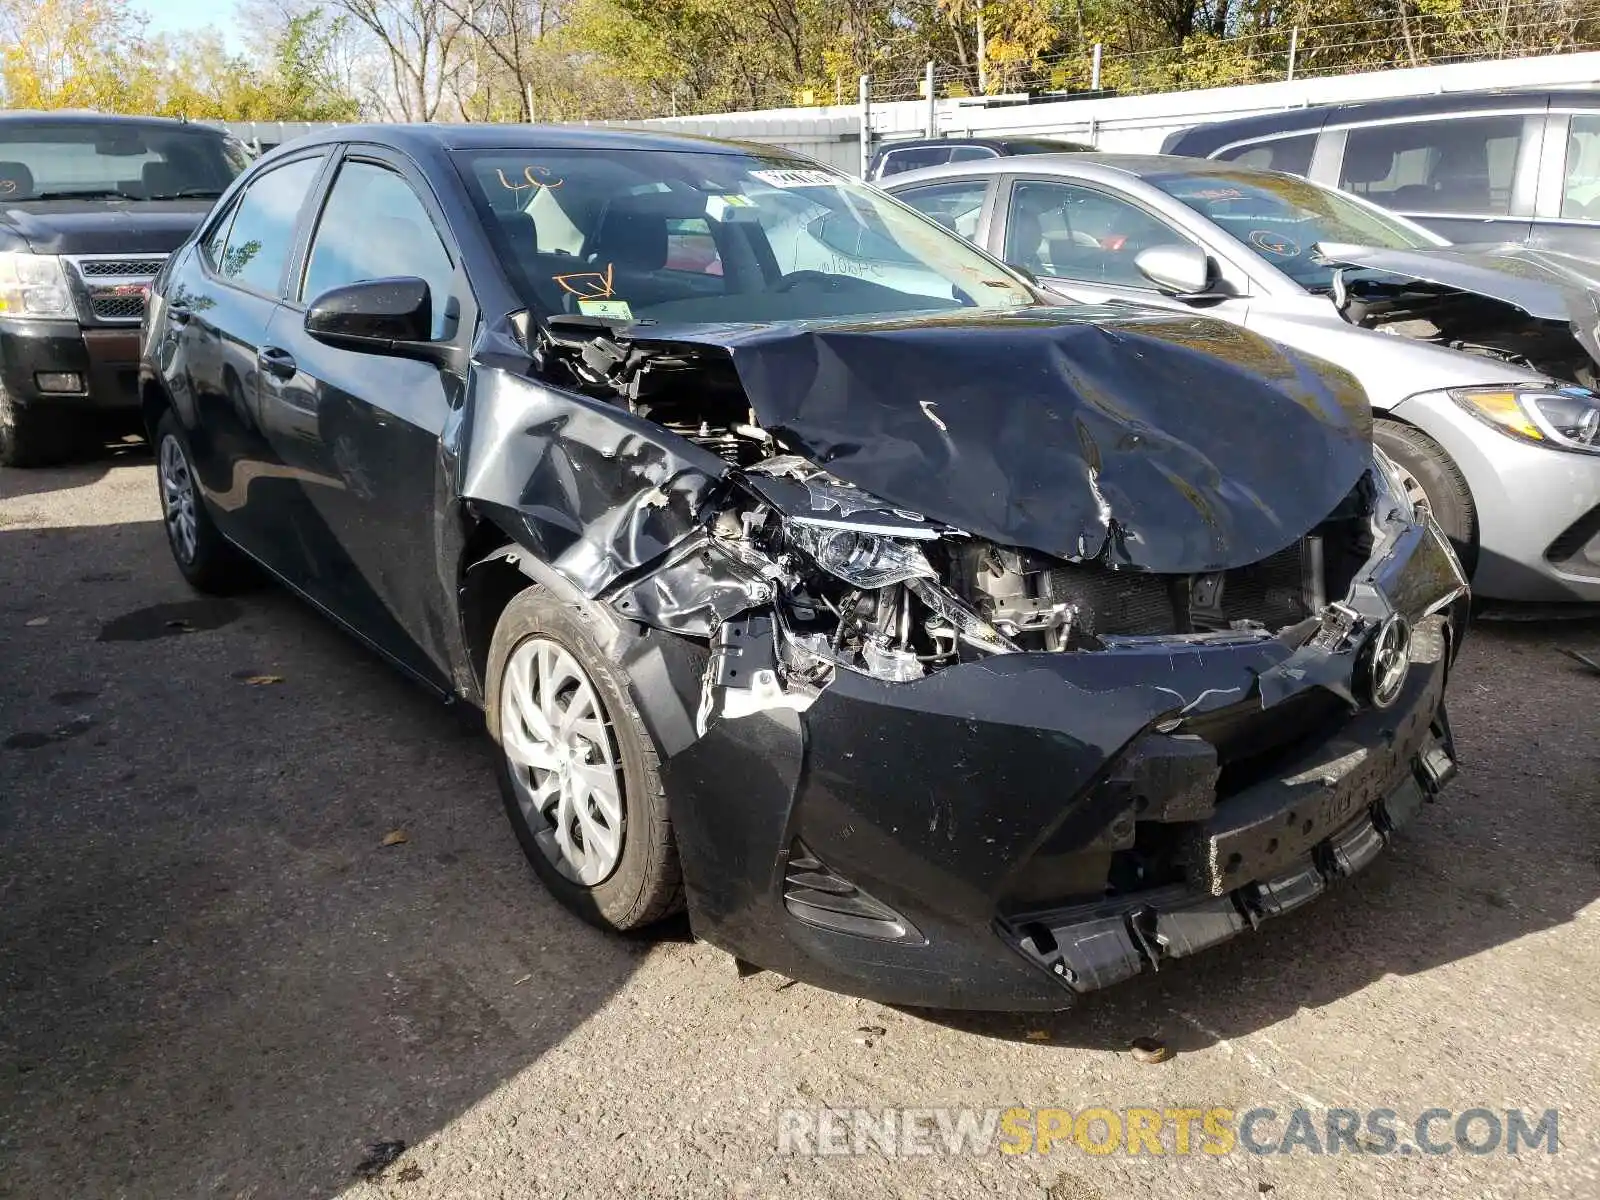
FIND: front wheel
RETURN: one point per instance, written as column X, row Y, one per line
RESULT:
column 1438, row 483
column 578, row 772
column 207, row 559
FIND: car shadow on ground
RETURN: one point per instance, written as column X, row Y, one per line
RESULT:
column 1512, row 848
column 259, row 906
column 88, row 468
column 223, row 971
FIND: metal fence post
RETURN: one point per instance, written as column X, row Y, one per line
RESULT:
column 1094, row 70
column 933, row 103
column 1294, row 48
column 866, row 123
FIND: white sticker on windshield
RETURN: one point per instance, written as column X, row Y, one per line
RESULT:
column 615, row 310
column 796, row 178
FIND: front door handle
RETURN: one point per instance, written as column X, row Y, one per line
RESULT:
column 276, row 361
column 178, row 314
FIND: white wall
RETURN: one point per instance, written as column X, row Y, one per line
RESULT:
column 1126, row 123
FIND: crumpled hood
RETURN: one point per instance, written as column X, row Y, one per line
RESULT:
column 1172, row 443
column 1544, row 284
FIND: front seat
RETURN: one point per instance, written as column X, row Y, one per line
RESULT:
column 633, row 246
column 160, row 179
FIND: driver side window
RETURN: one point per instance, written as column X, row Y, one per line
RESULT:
column 1066, row 231
column 374, row 226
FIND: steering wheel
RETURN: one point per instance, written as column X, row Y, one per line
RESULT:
column 794, row 278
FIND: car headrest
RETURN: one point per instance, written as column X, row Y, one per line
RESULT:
column 630, row 239
column 1027, row 232
column 160, row 178
column 1366, row 162
column 16, row 181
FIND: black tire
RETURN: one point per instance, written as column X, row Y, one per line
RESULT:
column 1441, row 481
column 646, row 885
column 33, row 436
column 215, row 565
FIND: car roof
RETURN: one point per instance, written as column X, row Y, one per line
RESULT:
column 83, row 117
column 433, row 139
column 1083, row 165
column 1206, row 138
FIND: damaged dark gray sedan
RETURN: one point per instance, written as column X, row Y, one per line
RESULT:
column 927, row 641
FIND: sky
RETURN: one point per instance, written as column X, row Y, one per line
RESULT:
column 176, row 16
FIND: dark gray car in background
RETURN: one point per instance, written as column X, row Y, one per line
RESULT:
column 1475, row 167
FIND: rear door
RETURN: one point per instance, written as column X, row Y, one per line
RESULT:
column 1470, row 178
column 363, row 430
column 221, row 300
column 1567, row 210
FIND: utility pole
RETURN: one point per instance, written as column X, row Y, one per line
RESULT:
column 1294, row 48
column 866, row 123
column 983, row 55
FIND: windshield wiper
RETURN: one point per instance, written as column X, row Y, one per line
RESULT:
column 87, row 194
column 200, row 193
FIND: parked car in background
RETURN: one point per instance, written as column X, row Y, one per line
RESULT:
column 929, row 640
column 1475, row 397
column 90, row 207
column 1475, row 167
column 912, row 155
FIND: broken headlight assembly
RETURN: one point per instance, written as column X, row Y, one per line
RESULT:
column 1565, row 418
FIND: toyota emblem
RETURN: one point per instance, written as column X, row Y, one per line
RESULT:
column 1390, row 661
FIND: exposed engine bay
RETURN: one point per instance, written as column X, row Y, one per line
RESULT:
column 1530, row 308
column 884, row 591
column 1469, row 323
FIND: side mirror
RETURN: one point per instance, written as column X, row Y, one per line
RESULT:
column 1181, row 271
column 1025, row 272
column 376, row 316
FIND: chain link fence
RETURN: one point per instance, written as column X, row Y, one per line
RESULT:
column 1514, row 29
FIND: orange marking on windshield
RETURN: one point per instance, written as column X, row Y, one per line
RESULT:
column 528, row 174
column 586, row 285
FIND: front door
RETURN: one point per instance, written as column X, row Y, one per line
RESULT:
column 363, row 430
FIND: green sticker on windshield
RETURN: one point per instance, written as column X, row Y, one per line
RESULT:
column 612, row 310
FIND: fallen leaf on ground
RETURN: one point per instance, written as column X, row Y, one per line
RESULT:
column 396, row 837
column 35, row 622
column 1038, row 1035
column 261, row 680
column 1150, row 1050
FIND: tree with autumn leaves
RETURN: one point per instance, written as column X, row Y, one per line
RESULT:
column 562, row 60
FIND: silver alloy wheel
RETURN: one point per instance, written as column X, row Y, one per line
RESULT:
column 553, row 731
column 177, row 498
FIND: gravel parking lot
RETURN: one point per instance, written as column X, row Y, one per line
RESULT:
column 216, row 979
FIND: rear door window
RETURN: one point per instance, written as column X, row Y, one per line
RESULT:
column 1290, row 154
column 262, row 232
column 1465, row 165
column 1580, row 192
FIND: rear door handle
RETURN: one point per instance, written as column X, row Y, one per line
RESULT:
column 276, row 361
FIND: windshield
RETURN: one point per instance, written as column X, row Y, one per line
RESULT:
column 48, row 160
column 714, row 238
column 1282, row 218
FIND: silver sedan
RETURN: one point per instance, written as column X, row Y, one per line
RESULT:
column 1478, row 396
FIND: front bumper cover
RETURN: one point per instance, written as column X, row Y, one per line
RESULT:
column 901, row 840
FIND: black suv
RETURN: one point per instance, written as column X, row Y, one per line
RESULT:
column 90, row 207
column 1476, row 167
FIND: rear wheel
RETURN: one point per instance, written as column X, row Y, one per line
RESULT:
column 578, row 772
column 208, row 560
column 1437, row 482
column 32, row 436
